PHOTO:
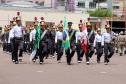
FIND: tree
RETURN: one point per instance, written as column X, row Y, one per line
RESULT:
column 101, row 13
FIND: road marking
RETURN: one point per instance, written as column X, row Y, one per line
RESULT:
column 39, row 71
column 103, row 72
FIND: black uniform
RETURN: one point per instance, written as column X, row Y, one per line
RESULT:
column 70, row 52
column 43, row 46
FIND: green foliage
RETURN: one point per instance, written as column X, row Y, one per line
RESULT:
column 100, row 13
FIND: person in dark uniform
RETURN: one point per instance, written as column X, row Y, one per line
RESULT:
column 70, row 52
column 106, row 42
column 97, row 45
column 26, row 41
column 43, row 46
column 91, row 36
column 52, row 41
column 8, row 46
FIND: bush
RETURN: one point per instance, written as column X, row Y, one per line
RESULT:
column 101, row 13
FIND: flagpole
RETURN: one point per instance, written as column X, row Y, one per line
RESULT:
column 112, row 14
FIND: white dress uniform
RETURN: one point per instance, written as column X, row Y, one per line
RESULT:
column 108, row 48
column 97, row 45
column 78, row 36
column 10, row 36
column 32, row 35
column 17, row 32
column 98, row 38
column 59, row 36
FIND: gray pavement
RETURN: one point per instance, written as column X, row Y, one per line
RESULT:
column 52, row 72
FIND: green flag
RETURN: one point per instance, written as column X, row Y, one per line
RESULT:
column 66, row 35
column 38, row 36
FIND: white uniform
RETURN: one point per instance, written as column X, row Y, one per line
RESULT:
column 10, row 35
column 59, row 36
column 98, row 38
column 78, row 36
column 106, row 37
column 108, row 47
column 32, row 35
column 17, row 31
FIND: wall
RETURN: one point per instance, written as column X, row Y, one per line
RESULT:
column 49, row 16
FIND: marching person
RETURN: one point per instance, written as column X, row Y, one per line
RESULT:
column 121, row 43
column 91, row 35
column 70, row 52
column 80, row 51
column 11, row 39
column 59, row 42
column 43, row 45
column 5, row 38
column 97, row 45
column 33, row 37
column 106, row 42
column 17, row 32
column 52, row 41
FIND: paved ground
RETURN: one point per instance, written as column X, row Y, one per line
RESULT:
column 53, row 73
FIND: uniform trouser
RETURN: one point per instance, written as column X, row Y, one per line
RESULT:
column 125, row 49
column 25, row 47
column 99, row 51
column 8, row 47
column 31, row 45
column 80, row 51
column 16, row 44
column 59, row 49
column 121, row 48
column 52, row 47
column 70, row 52
column 42, row 51
column 12, row 48
column 91, row 50
column 4, row 46
column 108, row 51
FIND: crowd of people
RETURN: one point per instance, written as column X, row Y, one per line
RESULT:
column 42, row 41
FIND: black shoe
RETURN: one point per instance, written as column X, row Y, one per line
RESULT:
column 20, row 60
column 121, row 54
column 16, row 62
column 98, row 62
column 40, row 62
column 106, row 63
column 108, row 60
column 116, row 51
column 125, row 52
column 34, row 60
column 13, row 61
column 88, row 63
column 69, row 63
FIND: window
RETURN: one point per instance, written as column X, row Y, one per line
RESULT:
column 81, row 4
column 92, row 5
column 115, row 7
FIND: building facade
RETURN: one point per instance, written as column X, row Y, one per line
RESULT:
column 67, row 5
